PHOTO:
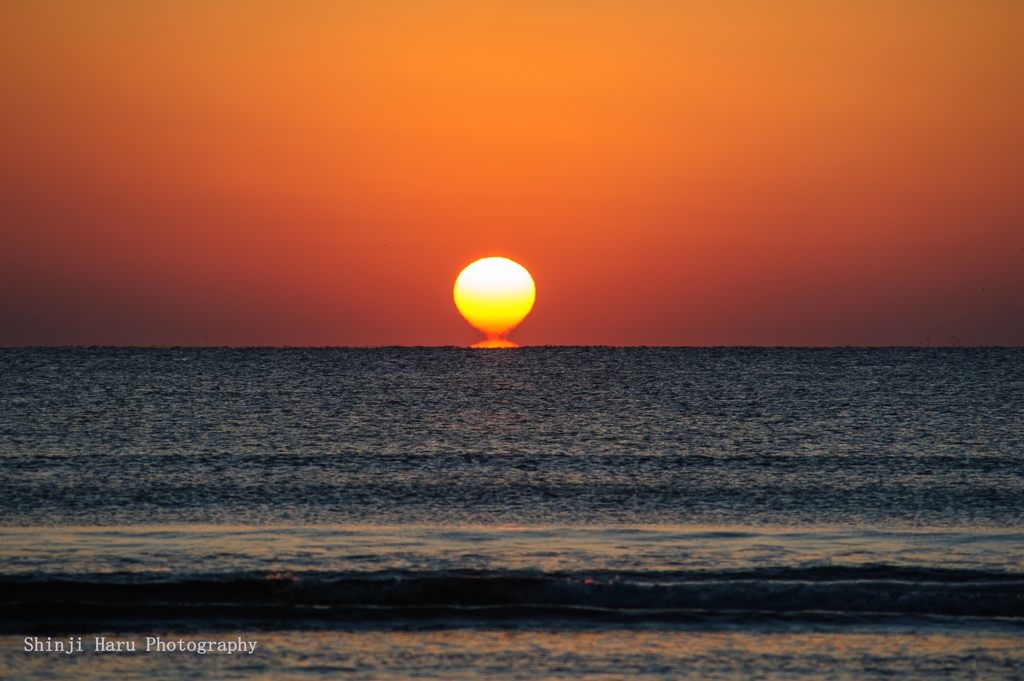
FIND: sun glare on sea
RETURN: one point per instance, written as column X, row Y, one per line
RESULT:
column 494, row 295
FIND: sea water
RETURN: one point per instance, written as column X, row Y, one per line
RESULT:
column 571, row 513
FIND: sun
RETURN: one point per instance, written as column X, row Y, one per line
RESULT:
column 494, row 295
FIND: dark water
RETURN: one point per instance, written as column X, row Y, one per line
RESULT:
column 834, row 499
column 575, row 436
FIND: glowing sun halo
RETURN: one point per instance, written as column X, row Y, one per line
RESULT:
column 494, row 295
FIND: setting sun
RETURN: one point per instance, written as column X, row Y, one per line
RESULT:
column 494, row 295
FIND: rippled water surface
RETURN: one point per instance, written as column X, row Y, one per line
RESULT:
column 545, row 512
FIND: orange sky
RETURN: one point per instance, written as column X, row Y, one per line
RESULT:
column 671, row 173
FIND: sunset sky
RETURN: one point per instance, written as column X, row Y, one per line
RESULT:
column 670, row 173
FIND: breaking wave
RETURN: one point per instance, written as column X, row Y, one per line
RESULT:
column 271, row 600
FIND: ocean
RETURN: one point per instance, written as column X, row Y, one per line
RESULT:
column 537, row 513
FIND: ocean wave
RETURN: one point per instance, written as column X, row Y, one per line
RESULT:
column 830, row 594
